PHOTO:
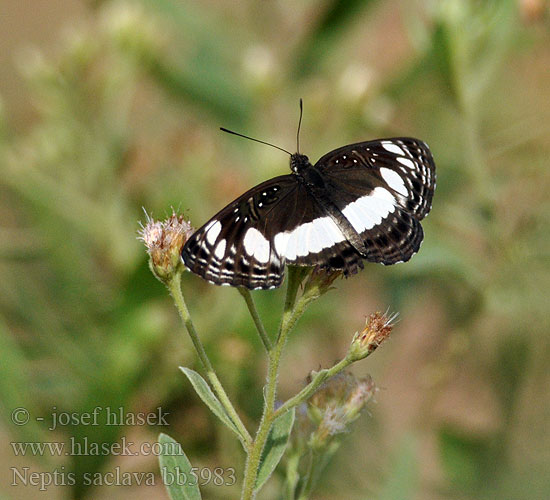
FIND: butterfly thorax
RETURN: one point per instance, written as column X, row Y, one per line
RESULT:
column 299, row 163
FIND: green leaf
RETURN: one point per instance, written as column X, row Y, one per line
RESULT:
column 175, row 469
column 206, row 394
column 275, row 446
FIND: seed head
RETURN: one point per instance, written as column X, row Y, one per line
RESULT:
column 164, row 241
column 336, row 405
column 377, row 329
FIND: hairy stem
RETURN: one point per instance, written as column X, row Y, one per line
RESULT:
column 310, row 389
column 293, row 309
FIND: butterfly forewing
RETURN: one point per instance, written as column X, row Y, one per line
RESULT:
column 231, row 248
column 404, row 164
column 277, row 222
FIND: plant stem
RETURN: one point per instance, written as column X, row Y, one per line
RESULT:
column 292, row 476
column 256, row 317
column 309, row 389
column 174, row 287
column 308, row 481
column 318, row 461
column 292, row 311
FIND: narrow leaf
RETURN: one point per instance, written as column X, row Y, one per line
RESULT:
column 275, row 446
column 175, row 469
column 206, row 394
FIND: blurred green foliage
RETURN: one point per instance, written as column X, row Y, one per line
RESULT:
column 128, row 109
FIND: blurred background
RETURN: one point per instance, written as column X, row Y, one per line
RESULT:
column 110, row 106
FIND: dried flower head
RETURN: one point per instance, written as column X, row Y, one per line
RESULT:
column 336, row 405
column 164, row 241
column 377, row 329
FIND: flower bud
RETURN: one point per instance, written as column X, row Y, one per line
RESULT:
column 164, row 241
column 377, row 329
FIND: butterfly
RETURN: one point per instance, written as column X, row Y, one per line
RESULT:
column 362, row 201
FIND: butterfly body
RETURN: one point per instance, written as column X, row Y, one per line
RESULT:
column 360, row 202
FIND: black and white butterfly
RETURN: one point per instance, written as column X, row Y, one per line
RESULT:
column 359, row 202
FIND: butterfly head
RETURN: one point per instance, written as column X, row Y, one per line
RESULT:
column 299, row 162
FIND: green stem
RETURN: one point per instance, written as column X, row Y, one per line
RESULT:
column 307, row 485
column 292, row 311
column 174, row 287
column 292, row 476
column 310, row 389
column 256, row 317
column 318, row 461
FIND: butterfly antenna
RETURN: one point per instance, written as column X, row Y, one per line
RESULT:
column 299, row 126
column 255, row 140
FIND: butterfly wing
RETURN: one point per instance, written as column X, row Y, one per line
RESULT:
column 383, row 188
column 248, row 242
column 232, row 248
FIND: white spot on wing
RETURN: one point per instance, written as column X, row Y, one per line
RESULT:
column 280, row 242
column 392, row 148
column 385, row 195
column 407, row 163
column 368, row 211
column 311, row 237
column 328, row 232
column 302, row 239
column 220, row 249
column 315, row 239
column 212, row 231
column 209, row 225
column 291, row 244
column 256, row 245
column 394, row 180
column 360, row 216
